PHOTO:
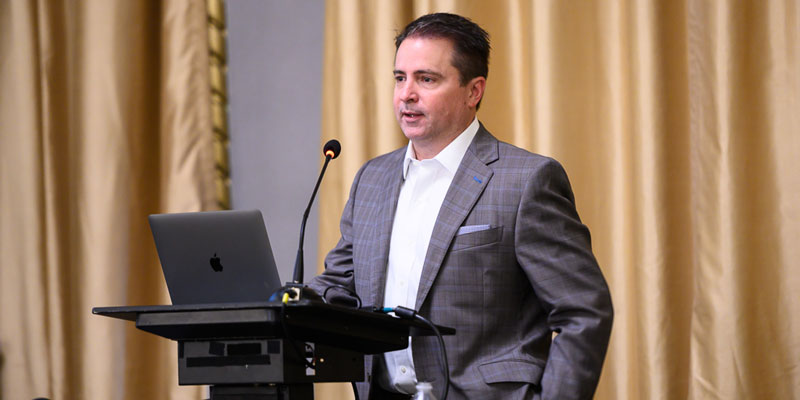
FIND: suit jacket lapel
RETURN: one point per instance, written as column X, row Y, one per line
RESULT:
column 387, row 206
column 468, row 183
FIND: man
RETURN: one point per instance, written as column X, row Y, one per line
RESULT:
column 474, row 234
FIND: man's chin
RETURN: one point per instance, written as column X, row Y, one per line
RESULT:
column 413, row 132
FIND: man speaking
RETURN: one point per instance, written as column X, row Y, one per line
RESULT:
column 473, row 233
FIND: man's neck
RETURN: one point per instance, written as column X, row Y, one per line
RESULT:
column 424, row 150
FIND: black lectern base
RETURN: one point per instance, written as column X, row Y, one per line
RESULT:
column 304, row 391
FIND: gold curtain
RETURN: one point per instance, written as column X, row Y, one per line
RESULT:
column 679, row 124
column 104, row 118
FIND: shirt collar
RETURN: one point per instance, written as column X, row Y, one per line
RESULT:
column 450, row 157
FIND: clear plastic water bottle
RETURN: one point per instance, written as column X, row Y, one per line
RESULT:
column 424, row 391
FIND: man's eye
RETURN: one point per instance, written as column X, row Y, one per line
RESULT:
column 399, row 78
column 427, row 79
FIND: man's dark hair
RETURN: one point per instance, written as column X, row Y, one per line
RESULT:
column 470, row 41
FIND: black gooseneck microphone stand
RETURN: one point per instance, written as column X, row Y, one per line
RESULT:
column 296, row 290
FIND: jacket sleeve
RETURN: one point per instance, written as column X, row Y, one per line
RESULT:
column 554, row 249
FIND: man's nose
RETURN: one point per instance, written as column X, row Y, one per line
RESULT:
column 408, row 93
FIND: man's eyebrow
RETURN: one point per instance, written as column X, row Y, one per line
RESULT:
column 419, row 72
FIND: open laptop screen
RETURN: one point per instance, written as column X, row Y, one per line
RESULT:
column 215, row 256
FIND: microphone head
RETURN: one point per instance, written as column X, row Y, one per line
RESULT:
column 332, row 149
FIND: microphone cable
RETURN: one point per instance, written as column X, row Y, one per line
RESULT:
column 343, row 288
column 407, row 313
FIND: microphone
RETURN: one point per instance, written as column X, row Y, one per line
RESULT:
column 295, row 289
column 331, row 150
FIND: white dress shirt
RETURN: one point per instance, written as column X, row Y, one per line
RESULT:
column 425, row 184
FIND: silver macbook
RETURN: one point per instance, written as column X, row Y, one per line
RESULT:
column 215, row 256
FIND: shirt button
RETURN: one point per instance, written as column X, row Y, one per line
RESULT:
column 403, row 370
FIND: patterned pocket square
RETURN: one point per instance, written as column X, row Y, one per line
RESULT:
column 472, row 228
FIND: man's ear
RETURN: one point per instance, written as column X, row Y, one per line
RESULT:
column 476, row 88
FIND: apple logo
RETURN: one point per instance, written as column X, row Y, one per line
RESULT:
column 216, row 265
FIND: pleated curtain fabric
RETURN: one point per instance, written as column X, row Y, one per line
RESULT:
column 678, row 123
column 104, row 119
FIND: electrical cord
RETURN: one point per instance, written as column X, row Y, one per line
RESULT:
column 342, row 287
column 408, row 313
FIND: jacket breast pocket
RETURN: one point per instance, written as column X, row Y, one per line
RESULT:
column 478, row 238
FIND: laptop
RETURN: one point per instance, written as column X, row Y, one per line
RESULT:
column 215, row 256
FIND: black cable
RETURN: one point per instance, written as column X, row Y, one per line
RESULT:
column 355, row 390
column 288, row 338
column 343, row 287
column 405, row 312
column 443, row 353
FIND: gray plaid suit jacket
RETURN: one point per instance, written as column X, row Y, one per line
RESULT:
column 505, row 289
